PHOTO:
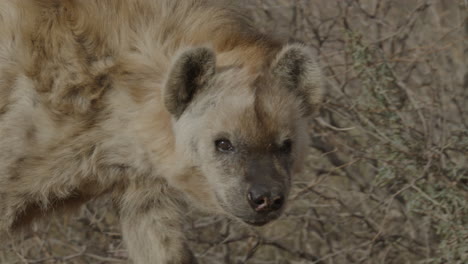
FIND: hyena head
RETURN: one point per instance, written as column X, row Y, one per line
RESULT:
column 246, row 133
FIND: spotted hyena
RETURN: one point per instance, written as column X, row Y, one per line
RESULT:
column 158, row 104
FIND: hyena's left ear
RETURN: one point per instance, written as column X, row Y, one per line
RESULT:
column 190, row 73
column 296, row 70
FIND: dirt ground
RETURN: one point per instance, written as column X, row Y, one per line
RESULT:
column 387, row 174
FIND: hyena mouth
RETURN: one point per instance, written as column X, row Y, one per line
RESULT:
column 261, row 220
column 258, row 223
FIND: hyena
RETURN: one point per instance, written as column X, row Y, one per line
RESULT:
column 159, row 104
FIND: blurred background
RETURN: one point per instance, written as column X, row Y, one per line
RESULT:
column 387, row 175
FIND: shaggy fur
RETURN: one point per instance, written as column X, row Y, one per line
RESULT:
column 125, row 98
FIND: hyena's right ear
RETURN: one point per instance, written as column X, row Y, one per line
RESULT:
column 190, row 72
column 295, row 69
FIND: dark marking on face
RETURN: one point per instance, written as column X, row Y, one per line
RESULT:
column 260, row 114
column 283, row 166
column 263, row 170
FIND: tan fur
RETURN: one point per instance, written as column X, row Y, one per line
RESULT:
column 82, row 111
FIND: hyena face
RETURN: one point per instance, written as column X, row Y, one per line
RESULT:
column 245, row 132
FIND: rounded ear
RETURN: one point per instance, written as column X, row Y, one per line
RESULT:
column 296, row 70
column 190, row 72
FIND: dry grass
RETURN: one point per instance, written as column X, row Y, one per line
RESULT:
column 387, row 177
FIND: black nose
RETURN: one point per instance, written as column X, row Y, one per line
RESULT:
column 264, row 200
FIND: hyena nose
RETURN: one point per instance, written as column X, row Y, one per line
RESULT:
column 263, row 200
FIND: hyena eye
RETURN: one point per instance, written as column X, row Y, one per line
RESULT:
column 286, row 146
column 224, row 145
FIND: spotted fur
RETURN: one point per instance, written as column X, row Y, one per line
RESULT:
column 125, row 98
